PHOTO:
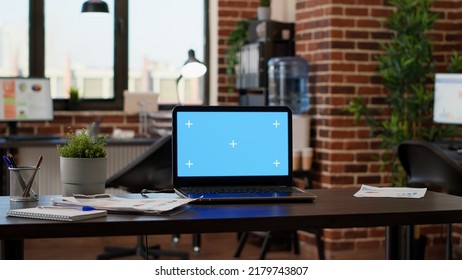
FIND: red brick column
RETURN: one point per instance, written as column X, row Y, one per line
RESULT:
column 340, row 40
column 229, row 13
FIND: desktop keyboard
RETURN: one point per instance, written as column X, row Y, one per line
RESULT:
column 237, row 189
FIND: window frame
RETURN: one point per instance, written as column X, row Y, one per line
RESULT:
column 121, row 67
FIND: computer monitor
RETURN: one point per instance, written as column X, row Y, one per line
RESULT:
column 448, row 99
column 25, row 99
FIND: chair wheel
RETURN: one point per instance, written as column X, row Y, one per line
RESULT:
column 196, row 249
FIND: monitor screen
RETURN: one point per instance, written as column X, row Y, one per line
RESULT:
column 25, row 99
column 232, row 143
column 448, row 99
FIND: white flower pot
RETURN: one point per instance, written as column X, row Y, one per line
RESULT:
column 264, row 13
column 83, row 175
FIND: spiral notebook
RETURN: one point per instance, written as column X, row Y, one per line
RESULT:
column 56, row 214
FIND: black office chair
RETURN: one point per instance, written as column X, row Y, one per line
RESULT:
column 427, row 165
column 152, row 170
column 291, row 236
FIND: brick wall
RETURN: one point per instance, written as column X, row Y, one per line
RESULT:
column 229, row 13
column 109, row 120
column 340, row 39
column 447, row 35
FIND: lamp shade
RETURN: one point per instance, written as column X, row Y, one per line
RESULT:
column 95, row 6
column 192, row 68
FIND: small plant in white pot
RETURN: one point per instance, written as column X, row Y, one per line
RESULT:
column 264, row 10
column 83, row 163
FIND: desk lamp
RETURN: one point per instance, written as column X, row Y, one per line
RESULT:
column 95, row 6
column 192, row 68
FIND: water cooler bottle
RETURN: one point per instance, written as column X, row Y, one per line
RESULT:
column 288, row 83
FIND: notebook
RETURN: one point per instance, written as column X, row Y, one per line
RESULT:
column 56, row 214
column 237, row 154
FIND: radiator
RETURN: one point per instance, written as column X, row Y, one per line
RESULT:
column 49, row 178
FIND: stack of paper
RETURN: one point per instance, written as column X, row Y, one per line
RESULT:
column 369, row 191
column 118, row 204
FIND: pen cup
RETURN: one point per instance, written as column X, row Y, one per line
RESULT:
column 24, row 183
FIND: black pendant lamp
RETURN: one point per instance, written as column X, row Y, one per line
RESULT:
column 95, row 6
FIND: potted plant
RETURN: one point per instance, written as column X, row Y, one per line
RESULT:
column 74, row 97
column 407, row 70
column 83, row 163
column 236, row 40
column 264, row 10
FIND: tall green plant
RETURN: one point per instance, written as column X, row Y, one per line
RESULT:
column 236, row 40
column 407, row 69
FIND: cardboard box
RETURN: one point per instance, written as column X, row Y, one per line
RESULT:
column 300, row 131
column 135, row 101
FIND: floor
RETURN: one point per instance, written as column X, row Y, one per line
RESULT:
column 217, row 246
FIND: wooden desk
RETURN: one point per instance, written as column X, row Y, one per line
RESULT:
column 334, row 208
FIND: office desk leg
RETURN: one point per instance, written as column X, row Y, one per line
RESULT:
column 12, row 249
column 393, row 243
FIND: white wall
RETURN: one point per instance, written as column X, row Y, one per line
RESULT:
column 213, row 45
column 283, row 10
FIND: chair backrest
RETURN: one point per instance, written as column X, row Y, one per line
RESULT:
column 426, row 164
column 151, row 170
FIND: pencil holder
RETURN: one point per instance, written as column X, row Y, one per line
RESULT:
column 24, row 183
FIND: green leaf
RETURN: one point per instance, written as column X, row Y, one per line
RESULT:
column 83, row 145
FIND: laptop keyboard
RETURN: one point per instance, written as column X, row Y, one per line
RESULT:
column 235, row 189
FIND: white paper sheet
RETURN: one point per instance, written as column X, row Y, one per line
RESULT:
column 397, row 192
column 118, row 204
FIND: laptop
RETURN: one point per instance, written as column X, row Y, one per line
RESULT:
column 234, row 154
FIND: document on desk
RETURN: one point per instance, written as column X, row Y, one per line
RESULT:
column 128, row 205
column 396, row 192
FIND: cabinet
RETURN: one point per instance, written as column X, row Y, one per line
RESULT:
column 266, row 39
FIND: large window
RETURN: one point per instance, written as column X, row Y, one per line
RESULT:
column 160, row 35
column 139, row 46
column 79, row 50
column 14, row 38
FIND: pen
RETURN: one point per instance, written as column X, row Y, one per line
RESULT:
column 12, row 160
column 83, row 208
column 31, row 180
column 7, row 161
column 11, row 163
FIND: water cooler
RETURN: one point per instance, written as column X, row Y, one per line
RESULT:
column 288, row 83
